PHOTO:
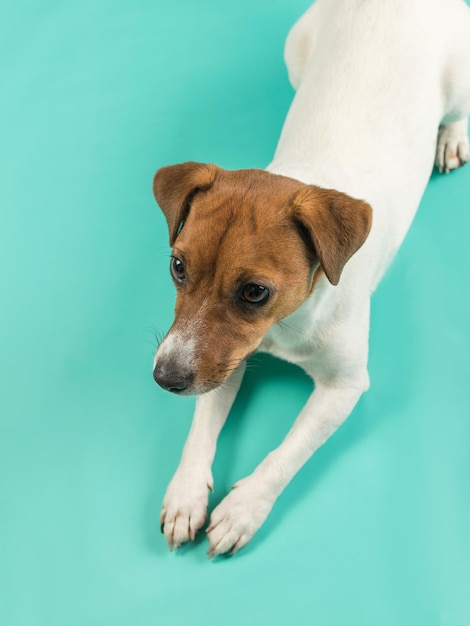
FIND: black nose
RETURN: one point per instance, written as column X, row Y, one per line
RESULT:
column 171, row 380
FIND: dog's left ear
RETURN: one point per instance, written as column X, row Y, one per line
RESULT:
column 334, row 224
column 175, row 186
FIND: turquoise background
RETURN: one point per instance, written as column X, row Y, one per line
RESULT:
column 375, row 530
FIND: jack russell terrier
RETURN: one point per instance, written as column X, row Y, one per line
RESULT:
column 383, row 93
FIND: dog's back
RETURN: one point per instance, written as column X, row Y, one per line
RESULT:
column 375, row 78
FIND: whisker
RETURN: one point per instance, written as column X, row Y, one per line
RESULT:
column 158, row 335
column 152, row 343
column 285, row 326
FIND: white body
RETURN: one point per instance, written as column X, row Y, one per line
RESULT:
column 375, row 80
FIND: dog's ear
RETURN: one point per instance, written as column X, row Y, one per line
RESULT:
column 333, row 224
column 174, row 188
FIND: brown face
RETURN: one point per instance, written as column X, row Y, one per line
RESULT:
column 243, row 259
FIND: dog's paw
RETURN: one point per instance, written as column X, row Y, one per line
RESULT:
column 452, row 146
column 234, row 522
column 184, row 507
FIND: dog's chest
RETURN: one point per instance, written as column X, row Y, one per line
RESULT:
column 289, row 343
column 305, row 337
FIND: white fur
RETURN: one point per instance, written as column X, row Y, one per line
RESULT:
column 181, row 346
column 375, row 80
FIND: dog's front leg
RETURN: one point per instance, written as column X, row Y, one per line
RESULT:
column 244, row 509
column 185, row 502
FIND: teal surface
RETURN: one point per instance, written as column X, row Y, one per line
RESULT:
column 375, row 530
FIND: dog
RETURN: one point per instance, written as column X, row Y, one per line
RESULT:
column 382, row 95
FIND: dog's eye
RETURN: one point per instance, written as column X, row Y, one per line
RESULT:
column 255, row 294
column 177, row 270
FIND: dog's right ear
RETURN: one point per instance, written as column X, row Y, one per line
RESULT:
column 174, row 188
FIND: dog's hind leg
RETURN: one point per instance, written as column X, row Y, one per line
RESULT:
column 452, row 141
column 452, row 146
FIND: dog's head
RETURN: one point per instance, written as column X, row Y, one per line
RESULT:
column 246, row 245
